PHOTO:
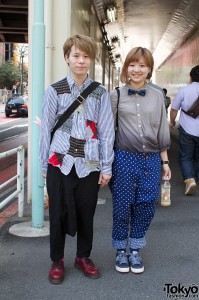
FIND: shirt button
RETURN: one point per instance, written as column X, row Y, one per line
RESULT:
column 141, row 135
column 138, row 104
column 143, row 146
column 138, row 115
column 139, row 125
column 75, row 150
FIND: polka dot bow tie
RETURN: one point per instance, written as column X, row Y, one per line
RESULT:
column 139, row 92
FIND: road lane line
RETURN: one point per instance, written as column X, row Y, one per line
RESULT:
column 17, row 126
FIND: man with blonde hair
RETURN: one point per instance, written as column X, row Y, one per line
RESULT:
column 78, row 159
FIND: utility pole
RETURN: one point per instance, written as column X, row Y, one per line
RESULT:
column 38, row 76
column 22, row 74
column 22, row 52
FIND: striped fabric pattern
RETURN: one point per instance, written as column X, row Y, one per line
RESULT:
column 98, row 149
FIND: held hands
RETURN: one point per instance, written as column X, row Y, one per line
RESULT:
column 166, row 172
column 104, row 179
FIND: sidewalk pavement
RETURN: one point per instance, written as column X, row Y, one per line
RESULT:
column 170, row 257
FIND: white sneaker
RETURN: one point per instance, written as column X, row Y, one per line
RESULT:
column 190, row 186
column 122, row 262
column 135, row 262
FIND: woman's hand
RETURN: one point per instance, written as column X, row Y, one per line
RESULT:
column 166, row 172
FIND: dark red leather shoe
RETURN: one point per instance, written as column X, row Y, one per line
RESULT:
column 87, row 266
column 56, row 274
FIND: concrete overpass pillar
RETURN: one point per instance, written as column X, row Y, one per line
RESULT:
column 60, row 32
column 49, row 46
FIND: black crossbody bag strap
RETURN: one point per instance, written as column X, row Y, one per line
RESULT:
column 118, row 100
column 193, row 111
column 80, row 99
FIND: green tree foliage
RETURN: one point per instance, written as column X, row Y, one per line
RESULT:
column 9, row 75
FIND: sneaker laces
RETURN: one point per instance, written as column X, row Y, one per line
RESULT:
column 122, row 257
column 135, row 258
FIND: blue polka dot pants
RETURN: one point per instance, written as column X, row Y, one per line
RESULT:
column 135, row 187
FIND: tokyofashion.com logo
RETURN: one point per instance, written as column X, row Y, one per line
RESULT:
column 181, row 292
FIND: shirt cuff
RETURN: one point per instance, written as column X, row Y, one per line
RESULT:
column 106, row 169
column 44, row 169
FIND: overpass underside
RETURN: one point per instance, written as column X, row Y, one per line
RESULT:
column 170, row 29
column 14, row 21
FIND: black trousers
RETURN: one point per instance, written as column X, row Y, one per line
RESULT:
column 72, row 204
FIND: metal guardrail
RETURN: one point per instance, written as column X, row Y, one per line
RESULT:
column 20, row 179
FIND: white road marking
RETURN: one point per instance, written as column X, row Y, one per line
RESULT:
column 101, row 201
column 17, row 126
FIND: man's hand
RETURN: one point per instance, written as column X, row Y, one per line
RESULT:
column 104, row 179
column 172, row 124
column 173, row 114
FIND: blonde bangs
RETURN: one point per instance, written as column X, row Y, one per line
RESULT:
column 82, row 42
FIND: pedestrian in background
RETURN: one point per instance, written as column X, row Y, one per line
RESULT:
column 5, row 95
column 79, row 159
column 188, row 131
column 142, row 140
column 15, row 90
column 168, row 100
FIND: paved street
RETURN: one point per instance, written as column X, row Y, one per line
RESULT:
column 170, row 257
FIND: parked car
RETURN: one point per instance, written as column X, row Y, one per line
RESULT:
column 17, row 106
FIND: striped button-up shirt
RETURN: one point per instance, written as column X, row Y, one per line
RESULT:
column 86, row 138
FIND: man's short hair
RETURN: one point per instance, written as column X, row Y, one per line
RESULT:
column 194, row 74
column 82, row 42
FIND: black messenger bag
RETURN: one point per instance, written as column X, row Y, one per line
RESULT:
column 193, row 111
